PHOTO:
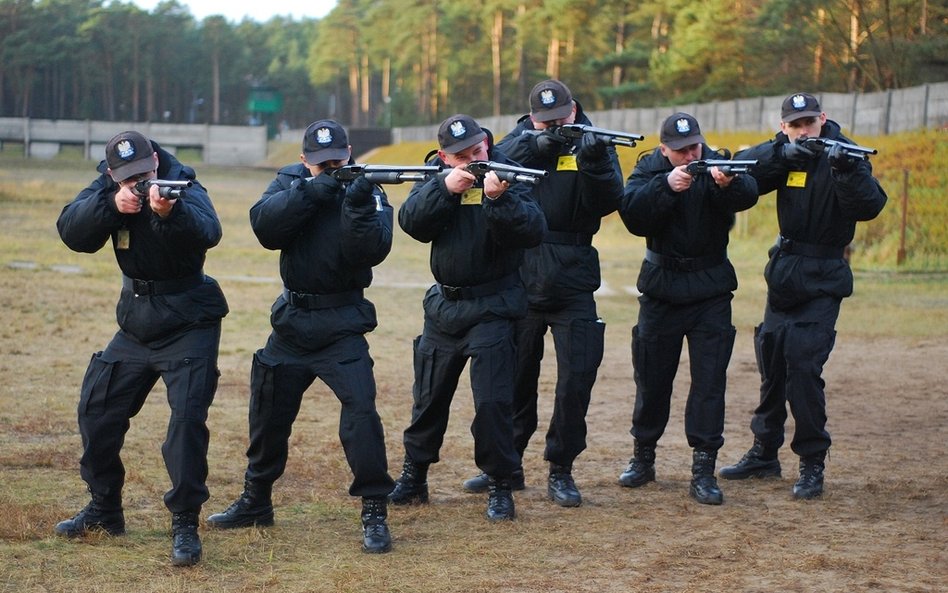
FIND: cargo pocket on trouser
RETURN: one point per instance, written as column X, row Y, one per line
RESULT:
column 94, row 393
column 424, row 361
column 191, row 388
column 655, row 361
column 262, row 378
column 586, row 345
column 771, row 413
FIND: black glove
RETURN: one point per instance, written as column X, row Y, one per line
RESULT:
column 359, row 192
column 795, row 152
column 549, row 144
column 839, row 160
column 592, row 148
column 322, row 188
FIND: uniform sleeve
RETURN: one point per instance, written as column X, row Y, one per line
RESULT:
column 428, row 208
column 284, row 209
column 193, row 220
column 86, row 223
column 602, row 185
column 514, row 218
column 647, row 202
column 770, row 172
column 367, row 230
column 521, row 146
column 739, row 195
column 858, row 193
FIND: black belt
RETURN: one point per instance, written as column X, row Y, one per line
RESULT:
column 564, row 238
column 457, row 293
column 305, row 300
column 809, row 249
column 685, row 264
column 154, row 287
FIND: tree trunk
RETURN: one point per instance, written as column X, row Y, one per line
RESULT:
column 495, row 39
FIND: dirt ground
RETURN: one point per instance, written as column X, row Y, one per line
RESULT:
column 881, row 526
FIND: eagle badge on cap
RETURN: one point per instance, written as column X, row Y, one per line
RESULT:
column 547, row 97
column 125, row 150
column 458, row 130
column 682, row 126
column 324, row 136
column 798, row 101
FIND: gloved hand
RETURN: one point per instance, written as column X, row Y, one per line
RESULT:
column 359, row 192
column 322, row 188
column 549, row 143
column 839, row 160
column 795, row 152
column 592, row 149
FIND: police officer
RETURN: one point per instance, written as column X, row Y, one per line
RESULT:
column 560, row 275
column 478, row 232
column 169, row 314
column 820, row 197
column 687, row 284
column 330, row 236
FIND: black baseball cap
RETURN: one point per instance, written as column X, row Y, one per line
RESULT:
column 325, row 140
column 680, row 130
column 550, row 100
column 799, row 105
column 129, row 154
column 459, row 132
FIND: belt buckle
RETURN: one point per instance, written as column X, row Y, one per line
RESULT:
column 684, row 264
column 143, row 287
column 452, row 293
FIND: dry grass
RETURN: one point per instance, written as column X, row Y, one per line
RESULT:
column 881, row 526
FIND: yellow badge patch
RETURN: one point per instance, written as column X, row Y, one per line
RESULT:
column 796, row 179
column 567, row 162
column 472, row 197
column 124, row 239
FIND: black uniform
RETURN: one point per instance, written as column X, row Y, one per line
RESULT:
column 169, row 313
column 807, row 278
column 687, row 284
column 477, row 247
column 328, row 244
column 560, row 276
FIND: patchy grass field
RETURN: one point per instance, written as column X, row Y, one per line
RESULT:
column 880, row 527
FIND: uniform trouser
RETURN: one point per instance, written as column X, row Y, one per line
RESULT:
column 278, row 379
column 792, row 347
column 656, row 350
column 116, row 384
column 578, row 337
column 439, row 360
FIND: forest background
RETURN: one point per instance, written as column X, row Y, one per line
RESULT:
column 412, row 62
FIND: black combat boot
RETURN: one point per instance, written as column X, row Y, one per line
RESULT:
column 810, row 484
column 104, row 514
column 412, row 486
column 376, row 538
column 704, row 487
column 561, row 488
column 641, row 468
column 758, row 462
column 481, row 481
column 253, row 507
column 500, row 502
column 185, row 543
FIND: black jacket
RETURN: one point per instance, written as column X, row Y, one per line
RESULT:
column 688, row 225
column 815, row 205
column 574, row 198
column 328, row 245
column 158, row 249
column 472, row 243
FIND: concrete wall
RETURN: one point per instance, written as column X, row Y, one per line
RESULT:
column 868, row 114
column 219, row 145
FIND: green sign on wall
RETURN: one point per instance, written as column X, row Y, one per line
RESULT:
column 264, row 100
